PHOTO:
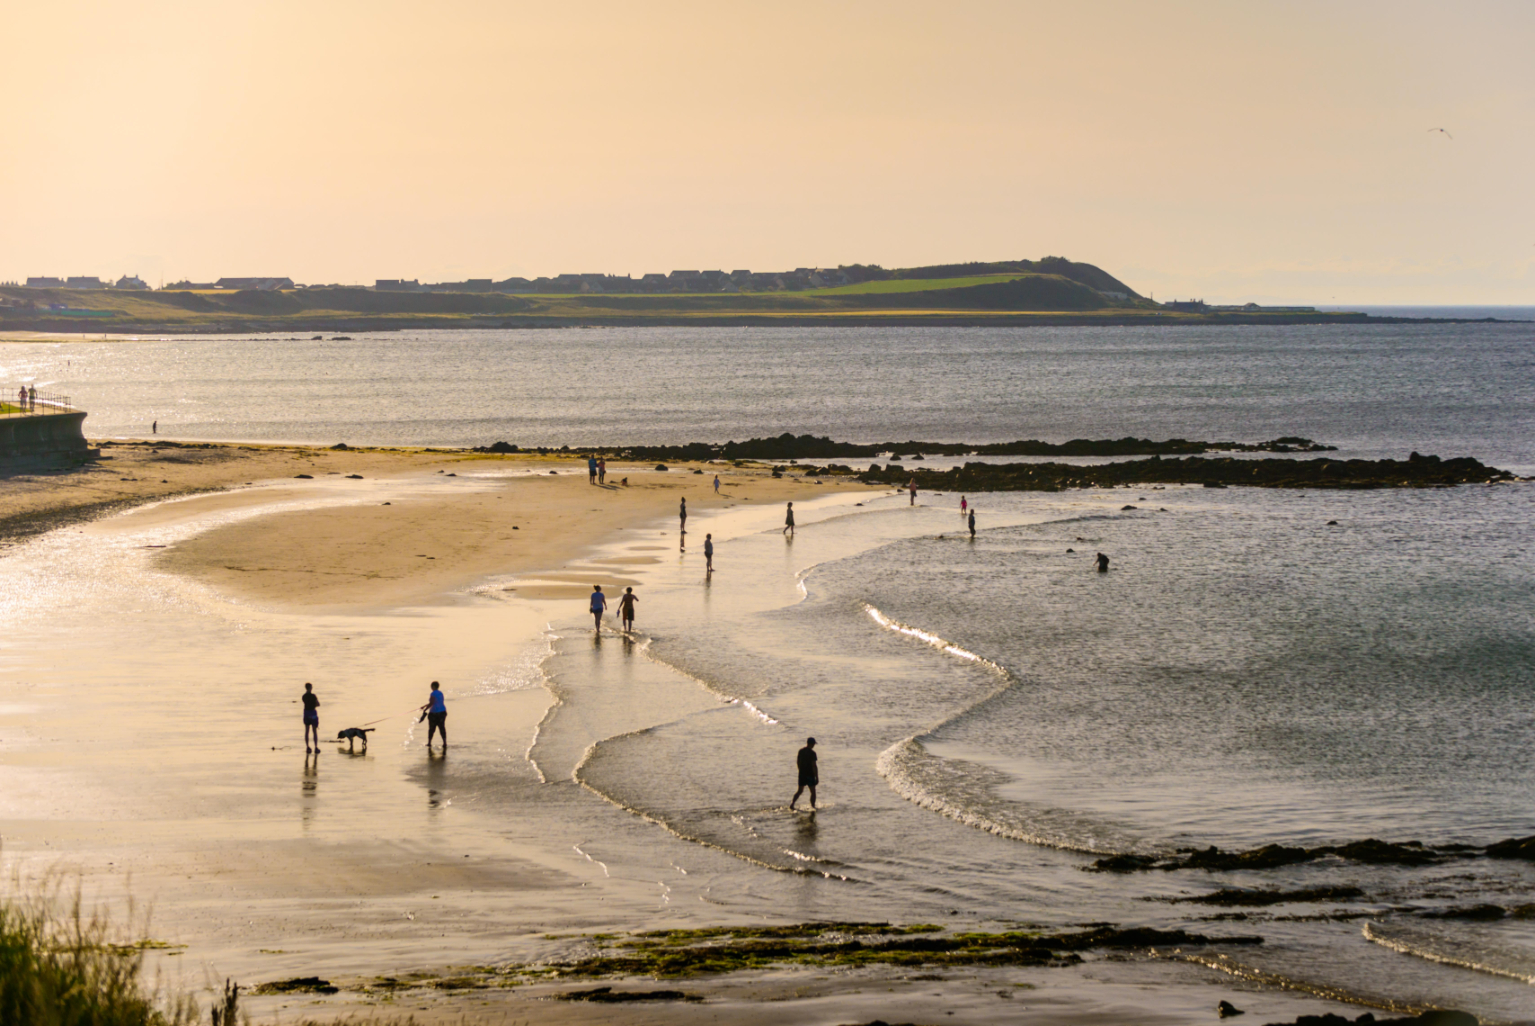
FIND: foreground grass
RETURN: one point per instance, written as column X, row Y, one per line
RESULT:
column 61, row 967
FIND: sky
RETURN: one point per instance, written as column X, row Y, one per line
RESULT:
column 1231, row 151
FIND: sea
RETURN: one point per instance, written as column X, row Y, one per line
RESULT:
column 993, row 715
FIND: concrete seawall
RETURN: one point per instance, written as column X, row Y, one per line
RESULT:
column 44, row 439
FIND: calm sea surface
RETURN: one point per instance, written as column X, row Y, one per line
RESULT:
column 1380, row 390
column 993, row 714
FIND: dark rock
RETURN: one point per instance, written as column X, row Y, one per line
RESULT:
column 308, row 477
column 661, row 466
column 1332, row 523
column 1382, row 853
column 1071, row 550
column 354, row 477
column 1513, row 848
column 297, row 985
column 341, row 445
column 697, row 471
column 451, row 475
column 1123, row 508
column 1226, row 1010
column 388, row 504
column 607, row 995
column 1437, row 1017
column 498, row 447
column 1484, row 913
column 1242, row 897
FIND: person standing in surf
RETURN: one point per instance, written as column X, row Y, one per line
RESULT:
column 311, row 717
column 1103, row 563
column 682, row 516
column 436, row 710
column 964, row 504
column 626, row 603
column 911, row 486
column 972, row 523
column 599, row 605
column 788, row 521
column 709, row 553
column 809, row 772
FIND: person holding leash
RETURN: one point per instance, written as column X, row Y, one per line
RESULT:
column 436, row 712
column 311, row 717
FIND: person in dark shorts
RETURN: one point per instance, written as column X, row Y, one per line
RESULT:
column 591, row 470
column 599, row 605
column 626, row 603
column 709, row 553
column 788, row 521
column 1103, row 563
column 311, row 717
column 972, row 523
column 682, row 515
column 436, row 709
column 809, row 772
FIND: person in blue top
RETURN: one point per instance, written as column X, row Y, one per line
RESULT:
column 436, row 709
column 599, row 605
column 591, row 469
column 311, row 717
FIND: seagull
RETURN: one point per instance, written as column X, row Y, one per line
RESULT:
column 1447, row 135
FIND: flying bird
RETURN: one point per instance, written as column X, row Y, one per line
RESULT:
column 1447, row 135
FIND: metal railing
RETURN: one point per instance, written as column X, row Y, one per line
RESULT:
column 13, row 403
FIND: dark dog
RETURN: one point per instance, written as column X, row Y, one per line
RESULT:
column 352, row 734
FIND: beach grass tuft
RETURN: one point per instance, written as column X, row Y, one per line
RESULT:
column 60, row 966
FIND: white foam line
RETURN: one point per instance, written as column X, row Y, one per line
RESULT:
column 932, row 639
column 588, row 858
column 1405, row 948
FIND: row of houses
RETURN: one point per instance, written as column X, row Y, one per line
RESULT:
column 676, row 281
column 131, row 283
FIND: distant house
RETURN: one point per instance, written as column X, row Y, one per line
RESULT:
column 45, row 283
column 133, row 284
column 189, row 286
column 83, row 282
column 396, row 285
column 514, row 285
column 259, row 284
column 1185, row 305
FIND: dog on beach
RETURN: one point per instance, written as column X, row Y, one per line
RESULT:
column 352, row 734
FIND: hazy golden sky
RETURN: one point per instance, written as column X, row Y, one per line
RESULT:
column 1228, row 150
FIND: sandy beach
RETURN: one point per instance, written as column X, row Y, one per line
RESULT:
column 231, row 579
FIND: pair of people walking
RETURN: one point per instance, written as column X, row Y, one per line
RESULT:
column 626, row 603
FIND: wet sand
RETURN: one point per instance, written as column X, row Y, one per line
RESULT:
column 156, row 755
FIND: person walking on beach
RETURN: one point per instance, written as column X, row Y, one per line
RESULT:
column 602, row 471
column 32, row 398
column 708, row 553
column 1103, row 563
column 911, row 486
column 964, row 504
column 599, row 605
column 591, row 469
column 788, row 521
column 682, row 515
column 972, row 523
column 311, row 717
column 626, row 603
column 809, row 772
column 436, row 709
column 716, row 484
column 21, row 398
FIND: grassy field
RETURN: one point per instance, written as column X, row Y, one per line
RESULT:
column 910, row 285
